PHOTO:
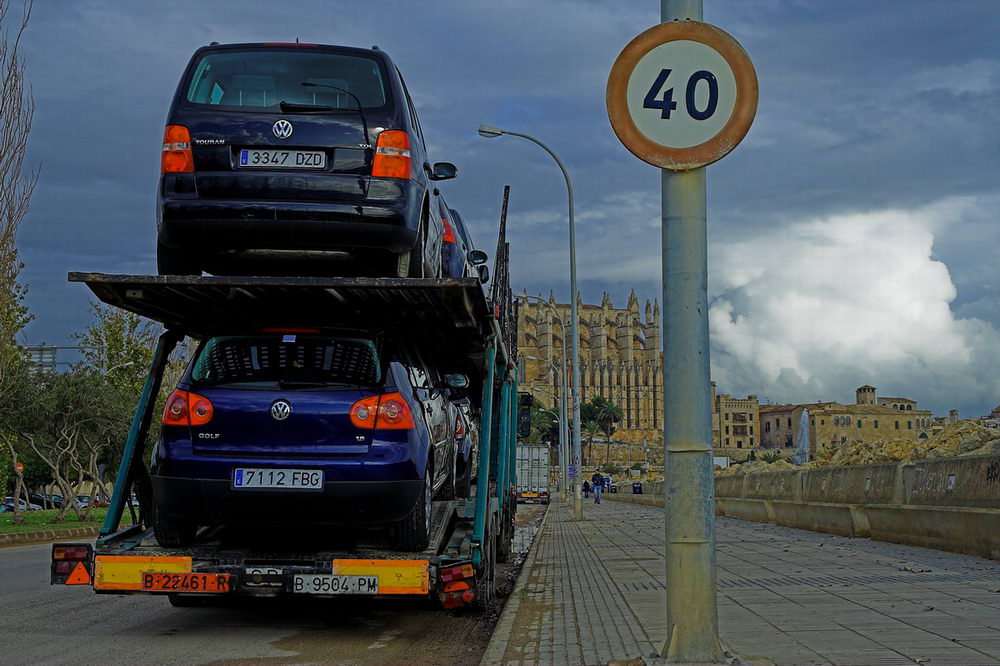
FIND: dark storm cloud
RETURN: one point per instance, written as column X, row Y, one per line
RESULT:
column 864, row 106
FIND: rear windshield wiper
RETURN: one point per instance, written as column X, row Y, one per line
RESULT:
column 292, row 107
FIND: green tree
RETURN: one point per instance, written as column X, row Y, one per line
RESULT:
column 16, row 186
column 606, row 414
column 590, row 430
column 119, row 344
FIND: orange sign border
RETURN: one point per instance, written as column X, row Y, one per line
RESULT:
column 682, row 159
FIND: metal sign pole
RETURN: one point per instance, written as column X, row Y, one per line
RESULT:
column 692, row 613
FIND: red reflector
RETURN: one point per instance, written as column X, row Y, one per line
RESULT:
column 80, row 575
column 456, row 586
column 468, row 596
column 63, row 566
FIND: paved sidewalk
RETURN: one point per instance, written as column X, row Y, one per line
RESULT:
column 594, row 594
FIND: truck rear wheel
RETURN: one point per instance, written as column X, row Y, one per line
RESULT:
column 170, row 532
column 413, row 533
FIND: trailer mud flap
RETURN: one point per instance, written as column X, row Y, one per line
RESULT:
column 394, row 576
column 124, row 572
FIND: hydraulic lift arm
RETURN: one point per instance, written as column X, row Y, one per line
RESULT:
column 485, row 440
column 135, row 446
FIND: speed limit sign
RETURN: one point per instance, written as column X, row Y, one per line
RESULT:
column 682, row 95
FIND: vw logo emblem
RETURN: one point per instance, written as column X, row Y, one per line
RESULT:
column 281, row 410
column 282, row 129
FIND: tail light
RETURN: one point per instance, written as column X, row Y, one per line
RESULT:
column 449, row 233
column 177, row 155
column 392, row 155
column 387, row 411
column 459, row 427
column 459, row 572
column 187, row 408
column 71, row 564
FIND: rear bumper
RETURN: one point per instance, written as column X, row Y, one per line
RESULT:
column 388, row 219
column 211, row 225
column 216, row 502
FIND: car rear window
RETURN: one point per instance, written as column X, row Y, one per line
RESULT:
column 281, row 358
column 259, row 79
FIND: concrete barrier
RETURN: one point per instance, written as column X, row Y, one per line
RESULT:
column 949, row 503
column 958, row 529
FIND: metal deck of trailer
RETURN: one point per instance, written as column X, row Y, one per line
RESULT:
column 449, row 318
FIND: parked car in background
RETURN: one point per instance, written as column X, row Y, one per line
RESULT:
column 293, row 425
column 304, row 155
column 24, row 506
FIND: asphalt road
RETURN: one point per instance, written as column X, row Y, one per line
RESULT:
column 42, row 624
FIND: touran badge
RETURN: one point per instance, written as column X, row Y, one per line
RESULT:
column 281, row 410
column 282, row 129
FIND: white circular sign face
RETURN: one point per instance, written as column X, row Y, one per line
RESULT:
column 681, row 94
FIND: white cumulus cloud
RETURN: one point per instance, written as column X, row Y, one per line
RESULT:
column 815, row 308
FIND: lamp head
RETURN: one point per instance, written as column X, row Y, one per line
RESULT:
column 489, row 131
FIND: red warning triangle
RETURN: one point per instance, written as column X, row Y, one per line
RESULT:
column 79, row 576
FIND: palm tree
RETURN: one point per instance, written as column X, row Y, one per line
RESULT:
column 591, row 429
column 608, row 414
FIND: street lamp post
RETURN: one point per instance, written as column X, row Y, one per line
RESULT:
column 492, row 132
column 562, row 452
column 563, row 448
column 564, row 432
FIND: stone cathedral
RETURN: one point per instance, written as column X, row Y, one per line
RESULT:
column 620, row 358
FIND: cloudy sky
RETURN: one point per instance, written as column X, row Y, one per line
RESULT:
column 854, row 235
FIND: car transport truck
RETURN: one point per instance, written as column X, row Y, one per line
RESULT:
column 453, row 322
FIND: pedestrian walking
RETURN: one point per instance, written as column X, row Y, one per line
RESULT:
column 586, row 488
column 597, row 483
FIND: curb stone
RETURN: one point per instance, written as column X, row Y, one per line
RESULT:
column 47, row 535
column 497, row 646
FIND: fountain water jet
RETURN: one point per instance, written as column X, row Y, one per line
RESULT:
column 802, row 440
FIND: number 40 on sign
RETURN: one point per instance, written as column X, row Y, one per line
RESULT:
column 682, row 95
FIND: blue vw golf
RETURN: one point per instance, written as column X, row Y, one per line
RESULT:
column 285, row 425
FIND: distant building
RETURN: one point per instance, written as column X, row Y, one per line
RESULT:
column 992, row 420
column 620, row 359
column 833, row 423
column 736, row 422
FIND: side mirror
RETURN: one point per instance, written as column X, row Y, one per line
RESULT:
column 524, row 401
column 443, row 171
column 484, row 274
column 478, row 257
column 456, row 381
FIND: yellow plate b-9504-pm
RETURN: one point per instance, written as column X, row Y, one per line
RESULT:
column 394, row 576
